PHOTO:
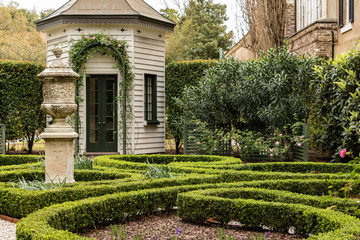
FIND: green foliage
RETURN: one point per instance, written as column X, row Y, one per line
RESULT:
column 38, row 184
column 19, row 39
column 118, row 232
column 200, row 31
column 82, row 162
column 60, row 220
column 271, row 91
column 222, row 236
column 336, row 110
column 21, row 98
column 156, row 172
column 305, row 217
column 180, row 75
column 18, row 159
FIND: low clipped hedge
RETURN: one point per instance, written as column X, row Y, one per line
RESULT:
column 140, row 161
column 36, row 173
column 293, row 167
column 60, row 221
column 116, row 190
column 198, row 206
column 18, row 159
column 19, row 203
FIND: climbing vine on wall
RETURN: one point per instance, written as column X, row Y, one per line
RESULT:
column 78, row 62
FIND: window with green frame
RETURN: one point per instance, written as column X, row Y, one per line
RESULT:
column 151, row 100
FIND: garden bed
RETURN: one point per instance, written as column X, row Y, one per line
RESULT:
column 170, row 225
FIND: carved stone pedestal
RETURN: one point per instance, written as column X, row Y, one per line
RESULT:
column 59, row 95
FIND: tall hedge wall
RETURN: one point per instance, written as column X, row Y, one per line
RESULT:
column 20, row 99
column 178, row 76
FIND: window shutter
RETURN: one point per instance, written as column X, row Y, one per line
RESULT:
column 341, row 13
column 351, row 11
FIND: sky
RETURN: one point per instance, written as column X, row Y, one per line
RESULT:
column 157, row 4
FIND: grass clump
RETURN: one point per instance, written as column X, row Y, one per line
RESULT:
column 82, row 162
column 37, row 185
column 155, row 172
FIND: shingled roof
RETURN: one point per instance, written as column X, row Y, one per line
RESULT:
column 105, row 11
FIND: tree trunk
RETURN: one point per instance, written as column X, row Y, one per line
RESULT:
column 30, row 139
column 177, row 145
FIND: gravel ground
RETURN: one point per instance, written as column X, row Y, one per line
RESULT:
column 7, row 230
column 166, row 226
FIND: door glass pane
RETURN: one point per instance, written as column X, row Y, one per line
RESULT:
column 94, row 110
column 109, row 110
column 149, row 98
column 94, row 136
column 109, row 136
column 110, row 84
column 109, row 97
column 109, row 123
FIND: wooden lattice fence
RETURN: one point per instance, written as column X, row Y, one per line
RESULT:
column 300, row 153
column 190, row 146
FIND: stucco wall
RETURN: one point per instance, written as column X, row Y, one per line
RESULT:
column 348, row 39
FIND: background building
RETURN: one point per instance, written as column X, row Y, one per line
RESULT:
column 322, row 28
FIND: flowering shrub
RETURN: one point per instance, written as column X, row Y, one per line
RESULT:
column 336, row 119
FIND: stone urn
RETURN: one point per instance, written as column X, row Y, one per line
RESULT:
column 59, row 102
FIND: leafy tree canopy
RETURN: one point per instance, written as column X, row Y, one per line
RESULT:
column 19, row 39
column 200, row 32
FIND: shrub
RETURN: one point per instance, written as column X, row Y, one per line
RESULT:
column 272, row 91
column 336, row 110
column 20, row 98
column 18, row 159
column 198, row 206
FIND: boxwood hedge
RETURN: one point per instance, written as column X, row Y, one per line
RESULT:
column 276, row 195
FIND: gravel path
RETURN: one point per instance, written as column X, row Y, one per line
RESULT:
column 7, row 230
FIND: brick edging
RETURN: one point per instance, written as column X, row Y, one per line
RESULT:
column 8, row 219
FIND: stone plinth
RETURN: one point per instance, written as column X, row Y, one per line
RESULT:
column 59, row 157
column 59, row 152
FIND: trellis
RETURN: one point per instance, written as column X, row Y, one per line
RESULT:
column 300, row 153
column 190, row 147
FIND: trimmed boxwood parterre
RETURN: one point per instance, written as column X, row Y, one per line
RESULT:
column 276, row 195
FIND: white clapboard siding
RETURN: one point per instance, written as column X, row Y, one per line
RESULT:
column 149, row 58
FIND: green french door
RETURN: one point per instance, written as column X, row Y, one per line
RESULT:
column 101, row 127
